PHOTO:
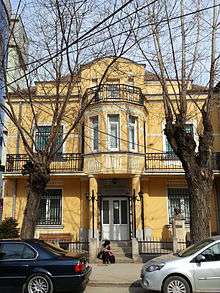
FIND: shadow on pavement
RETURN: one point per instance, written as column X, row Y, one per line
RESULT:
column 135, row 287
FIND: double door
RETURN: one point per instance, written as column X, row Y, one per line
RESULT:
column 115, row 218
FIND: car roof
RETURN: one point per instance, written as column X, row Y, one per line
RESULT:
column 21, row 240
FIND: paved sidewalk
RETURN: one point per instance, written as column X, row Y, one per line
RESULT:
column 120, row 274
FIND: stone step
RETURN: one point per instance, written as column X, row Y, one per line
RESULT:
column 126, row 249
column 123, row 243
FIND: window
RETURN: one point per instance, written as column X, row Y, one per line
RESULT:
column 113, row 91
column 50, row 210
column 16, row 251
column 113, row 133
column 105, row 207
column 212, row 253
column 95, row 133
column 168, row 148
column 42, row 136
column 132, row 133
column 179, row 198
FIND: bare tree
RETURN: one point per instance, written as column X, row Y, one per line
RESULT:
column 65, row 35
column 182, row 47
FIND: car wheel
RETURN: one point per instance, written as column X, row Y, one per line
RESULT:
column 176, row 284
column 39, row 283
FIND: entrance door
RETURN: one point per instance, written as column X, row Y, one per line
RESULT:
column 115, row 215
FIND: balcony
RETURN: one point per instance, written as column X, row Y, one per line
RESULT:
column 169, row 163
column 115, row 93
column 64, row 163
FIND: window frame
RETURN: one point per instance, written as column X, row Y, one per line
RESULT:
column 94, row 131
column 47, row 218
column 61, row 150
column 210, row 247
column 166, row 143
column 135, row 128
column 19, row 259
column 186, row 214
column 110, row 134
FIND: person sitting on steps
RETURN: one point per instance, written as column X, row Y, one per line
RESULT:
column 107, row 254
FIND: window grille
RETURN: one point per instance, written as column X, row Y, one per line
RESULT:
column 42, row 135
column 50, row 209
column 179, row 198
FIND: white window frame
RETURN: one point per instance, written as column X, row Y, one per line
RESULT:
column 92, row 119
column 109, row 132
column 134, row 126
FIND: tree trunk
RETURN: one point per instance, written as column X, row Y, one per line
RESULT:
column 37, row 181
column 200, row 184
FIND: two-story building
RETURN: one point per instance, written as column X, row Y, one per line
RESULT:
column 116, row 176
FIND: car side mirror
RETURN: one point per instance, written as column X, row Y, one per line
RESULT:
column 200, row 258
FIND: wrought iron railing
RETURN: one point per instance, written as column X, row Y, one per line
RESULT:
column 153, row 246
column 161, row 246
column 165, row 162
column 114, row 92
column 68, row 162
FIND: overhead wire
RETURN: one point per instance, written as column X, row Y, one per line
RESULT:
column 81, row 38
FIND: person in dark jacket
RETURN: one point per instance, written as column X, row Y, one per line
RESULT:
column 107, row 254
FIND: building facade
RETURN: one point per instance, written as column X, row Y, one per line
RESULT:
column 116, row 177
column 5, row 12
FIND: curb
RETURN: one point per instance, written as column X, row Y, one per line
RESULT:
column 113, row 284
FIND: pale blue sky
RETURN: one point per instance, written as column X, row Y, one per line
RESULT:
column 14, row 4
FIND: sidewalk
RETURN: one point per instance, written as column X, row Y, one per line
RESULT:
column 118, row 274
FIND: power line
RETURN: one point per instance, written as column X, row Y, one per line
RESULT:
column 91, row 30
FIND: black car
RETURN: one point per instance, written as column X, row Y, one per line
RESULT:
column 34, row 266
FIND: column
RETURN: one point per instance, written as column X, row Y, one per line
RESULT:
column 93, row 207
column 136, row 207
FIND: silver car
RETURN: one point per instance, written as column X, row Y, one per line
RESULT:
column 195, row 269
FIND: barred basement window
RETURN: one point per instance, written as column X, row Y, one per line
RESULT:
column 50, row 210
column 179, row 198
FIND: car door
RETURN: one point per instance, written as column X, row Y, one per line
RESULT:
column 207, row 272
column 15, row 258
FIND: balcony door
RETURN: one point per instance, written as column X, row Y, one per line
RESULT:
column 115, row 218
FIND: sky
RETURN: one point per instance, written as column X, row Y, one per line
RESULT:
column 14, row 4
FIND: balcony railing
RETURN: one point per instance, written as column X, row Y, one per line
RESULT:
column 115, row 92
column 168, row 162
column 69, row 162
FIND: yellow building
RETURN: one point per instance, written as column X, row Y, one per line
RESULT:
column 116, row 176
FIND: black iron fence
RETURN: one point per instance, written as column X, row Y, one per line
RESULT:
column 165, row 162
column 114, row 92
column 158, row 246
column 67, row 162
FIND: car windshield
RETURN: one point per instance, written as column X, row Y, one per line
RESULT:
column 54, row 249
column 194, row 248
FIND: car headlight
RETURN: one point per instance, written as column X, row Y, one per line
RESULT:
column 153, row 268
